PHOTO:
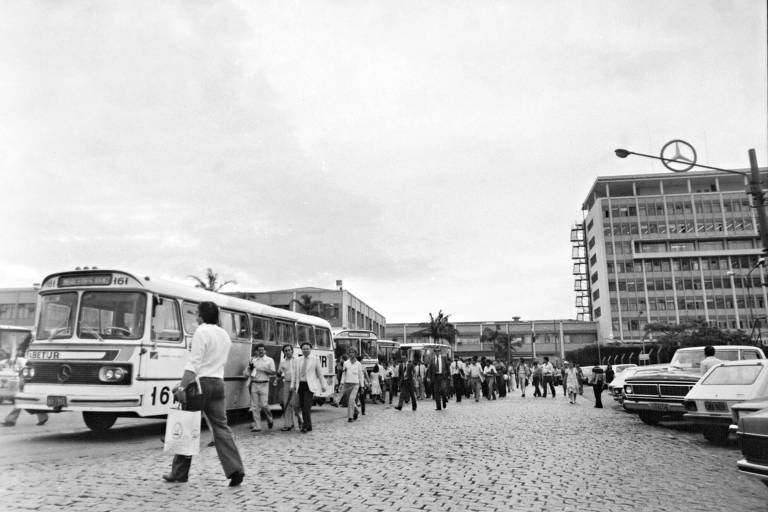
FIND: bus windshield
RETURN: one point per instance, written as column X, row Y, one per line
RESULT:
column 112, row 315
column 57, row 316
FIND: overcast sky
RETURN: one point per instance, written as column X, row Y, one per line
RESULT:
column 432, row 154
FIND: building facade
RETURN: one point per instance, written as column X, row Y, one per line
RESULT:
column 668, row 248
column 341, row 308
column 536, row 338
column 17, row 306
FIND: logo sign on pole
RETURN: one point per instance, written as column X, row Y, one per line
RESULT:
column 678, row 156
column 645, row 357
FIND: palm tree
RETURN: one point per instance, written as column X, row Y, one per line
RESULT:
column 503, row 346
column 307, row 305
column 439, row 328
column 211, row 281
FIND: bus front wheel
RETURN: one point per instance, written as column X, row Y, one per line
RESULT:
column 99, row 421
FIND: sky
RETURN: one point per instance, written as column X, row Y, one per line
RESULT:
column 431, row 154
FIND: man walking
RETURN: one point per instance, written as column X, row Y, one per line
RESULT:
column 311, row 381
column 289, row 372
column 419, row 379
column 353, row 380
column 438, row 374
column 210, row 348
column 406, row 384
column 458, row 369
column 548, row 374
column 261, row 369
column 476, row 378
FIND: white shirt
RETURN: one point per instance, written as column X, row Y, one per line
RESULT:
column 210, row 348
column 260, row 365
column 708, row 363
column 353, row 373
column 547, row 369
column 15, row 365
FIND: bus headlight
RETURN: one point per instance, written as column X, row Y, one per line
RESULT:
column 112, row 374
column 27, row 373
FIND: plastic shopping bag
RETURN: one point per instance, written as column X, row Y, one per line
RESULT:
column 182, row 432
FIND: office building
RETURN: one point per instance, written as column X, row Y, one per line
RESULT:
column 668, row 248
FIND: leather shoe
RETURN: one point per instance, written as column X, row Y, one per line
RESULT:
column 42, row 422
column 236, row 479
column 11, row 424
column 349, row 420
column 399, row 408
column 168, row 477
column 355, row 415
column 269, row 424
column 212, row 443
column 286, row 429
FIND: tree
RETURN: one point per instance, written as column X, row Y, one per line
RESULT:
column 698, row 332
column 439, row 328
column 307, row 305
column 211, row 281
column 503, row 346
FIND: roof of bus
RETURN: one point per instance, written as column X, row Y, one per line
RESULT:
column 27, row 328
column 338, row 330
column 193, row 294
column 420, row 345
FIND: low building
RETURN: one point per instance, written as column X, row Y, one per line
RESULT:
column 341, row 308
column 17, row 306
column 536, row 338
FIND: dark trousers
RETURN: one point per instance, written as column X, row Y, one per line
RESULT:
column 598, row 389
column 501, row 385
column 406, row 390
column 549, row 380
column 536, row 382
column 305, row 402
column 361, row 396
column 213, row 405
column 438, row 391
column 395, row 384
column 458, row 386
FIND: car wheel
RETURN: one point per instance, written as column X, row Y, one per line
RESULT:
column 650, row 417
column 716, row 435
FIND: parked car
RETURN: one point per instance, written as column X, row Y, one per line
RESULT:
column 752, row 434
column 659, row 395
column 616, row 386
column 709, row 402
column 744, row 408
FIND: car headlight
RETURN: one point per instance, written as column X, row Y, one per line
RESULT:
column 112, row 374
column 628, row 390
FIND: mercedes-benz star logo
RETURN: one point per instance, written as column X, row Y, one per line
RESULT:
column 678, row 156
column 64, row 373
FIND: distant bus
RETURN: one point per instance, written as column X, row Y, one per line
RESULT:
column 387, row 350
column 363, row 341
column 12, row 338
column 424, row 351
column 112, row 344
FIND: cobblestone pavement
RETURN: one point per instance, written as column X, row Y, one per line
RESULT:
column 527, row 454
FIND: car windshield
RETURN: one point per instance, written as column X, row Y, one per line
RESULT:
column 691, row 359
column 112, row 315
column 741, row 375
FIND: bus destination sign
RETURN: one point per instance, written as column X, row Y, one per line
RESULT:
column 94, row 280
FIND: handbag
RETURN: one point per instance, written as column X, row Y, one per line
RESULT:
column 182, row 432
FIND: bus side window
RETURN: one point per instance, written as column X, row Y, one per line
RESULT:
column 166, row 323
column 189, row 314
column 261, row 329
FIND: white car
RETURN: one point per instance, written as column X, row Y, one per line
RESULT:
column 709, row 402
column 616, row 386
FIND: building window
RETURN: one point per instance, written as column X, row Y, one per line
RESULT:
column 598, row 312
column 594, row 277
column 589, row 226
column 591, row 242
column 595, row 294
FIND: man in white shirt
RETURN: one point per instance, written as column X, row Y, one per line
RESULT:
column 418, row 380
column 209, row 351
column 353, row 380
column 260, row 371
column 548, row 376
column 289, row 373
column 458, row 370
column 475, row 377
column 709, row 360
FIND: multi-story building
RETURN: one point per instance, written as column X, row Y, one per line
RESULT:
column 339, row 307
column 670, row 248
column 17, row 306
column 553, row 338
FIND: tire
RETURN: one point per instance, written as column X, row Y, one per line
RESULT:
column 99, row 421
column 715, row 435
column 649, row 417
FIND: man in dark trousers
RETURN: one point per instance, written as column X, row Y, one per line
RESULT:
column 406, row 371
column 438, row 373
column 598, row 381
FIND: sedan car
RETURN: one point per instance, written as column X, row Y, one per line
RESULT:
column 616, row 386
column 753, row 441
column 746, row 407
column 709, row 402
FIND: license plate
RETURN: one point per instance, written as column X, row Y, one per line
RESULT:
column 57, row 401
column 658, row 407
column 715, row 406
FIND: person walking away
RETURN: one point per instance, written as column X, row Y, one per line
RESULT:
column 260, row 371
column 458, row 370
column 421, row 372
column 581, row 379
column 362, row 390
column 408, row 371
column 522, row 376
column 289, row 373
column 376, row 384
column 475, row 378
column 386, row 382
column 709, row 359
column 353, row 380
column 536, row 377
column 609, row 374
column 311, row 381
column 548, row 374
column 208, row 354
column 571, row 382
column 598, row 381
column 501, row 379
column 438, row 374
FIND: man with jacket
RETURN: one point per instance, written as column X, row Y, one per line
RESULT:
column 438, row 374
column 408, row 371
column 311, row 381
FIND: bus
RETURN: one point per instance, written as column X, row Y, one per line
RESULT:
column 110, row 343
column 388, row 351
column 364, row 343
column 424, row 351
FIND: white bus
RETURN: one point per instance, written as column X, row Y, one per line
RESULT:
column 364, row 343
column 112, row 344
column 424, row 351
